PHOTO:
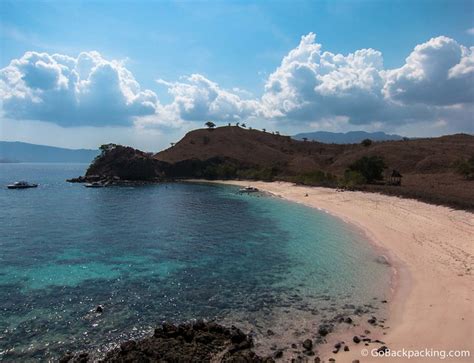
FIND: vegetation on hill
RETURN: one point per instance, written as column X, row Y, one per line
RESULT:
column 369, row 167
column 465, row 167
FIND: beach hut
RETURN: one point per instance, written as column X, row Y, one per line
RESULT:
column 395, row 178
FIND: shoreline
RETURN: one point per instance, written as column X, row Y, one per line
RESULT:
column 430, row 250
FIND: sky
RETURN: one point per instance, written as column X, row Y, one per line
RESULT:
column 143, row 73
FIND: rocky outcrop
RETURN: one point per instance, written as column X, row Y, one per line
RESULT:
column 127, row 163
column 121, row 164
column 191, row 342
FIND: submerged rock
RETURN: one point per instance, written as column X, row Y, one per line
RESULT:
column 383, row 260
column 308, row 344
column 278, row 354
column 372, row 320
column 191, row 342
column 325, row 329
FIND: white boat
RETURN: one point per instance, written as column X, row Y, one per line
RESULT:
column 21, row 185
column 248, row 190
column 95, row 185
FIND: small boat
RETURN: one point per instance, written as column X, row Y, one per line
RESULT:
column 95, row 185
column 21, row 185
column 248, row 190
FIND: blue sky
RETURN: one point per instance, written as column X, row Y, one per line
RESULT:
column 237, row 47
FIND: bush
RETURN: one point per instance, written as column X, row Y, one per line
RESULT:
column 316, row 178
column 264, row 174
column 366, row 142
column 465, row 167
column 370, row 167
column 218, row 171
column 353, row 178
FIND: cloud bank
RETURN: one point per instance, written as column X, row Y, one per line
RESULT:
column 311, row 86
column 87, row 90
column 199, row 99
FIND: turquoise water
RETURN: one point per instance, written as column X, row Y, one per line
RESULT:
column 164, row 252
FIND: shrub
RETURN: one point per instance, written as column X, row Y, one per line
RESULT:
column 353, row 178
column 370, row 167
column 316, row 178
column 264, row 174
column 366, row 142
column 465, row 167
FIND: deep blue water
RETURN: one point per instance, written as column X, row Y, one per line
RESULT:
column 164, row 252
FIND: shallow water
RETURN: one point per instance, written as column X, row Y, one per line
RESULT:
column 165, row 252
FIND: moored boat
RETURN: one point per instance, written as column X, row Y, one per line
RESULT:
column 95, row 185
column 21, row 185
column 248, row 189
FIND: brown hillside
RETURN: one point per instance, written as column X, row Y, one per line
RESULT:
column 431, row 155
column 426, row 164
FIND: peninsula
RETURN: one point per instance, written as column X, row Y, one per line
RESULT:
column 431, row 169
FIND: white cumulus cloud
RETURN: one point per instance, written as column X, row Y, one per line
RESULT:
column 196, row 98
column 439, row 72
column 87, row 90
column 311, row 87
column 311, row 84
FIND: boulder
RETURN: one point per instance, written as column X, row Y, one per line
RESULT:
column 278, row 354
column 308, row 344
column 324, row 329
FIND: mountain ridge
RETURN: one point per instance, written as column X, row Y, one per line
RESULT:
column 350, row 137
column 17, row 151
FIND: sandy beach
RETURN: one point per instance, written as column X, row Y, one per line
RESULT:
column 431, row 250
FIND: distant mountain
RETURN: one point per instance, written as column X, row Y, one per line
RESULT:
column 351, row 137
column 24, row 152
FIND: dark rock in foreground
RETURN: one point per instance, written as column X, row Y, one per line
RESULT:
column 191, row 342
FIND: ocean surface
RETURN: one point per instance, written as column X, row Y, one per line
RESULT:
column 166, row 252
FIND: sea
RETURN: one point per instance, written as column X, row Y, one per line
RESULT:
column 168, row 252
